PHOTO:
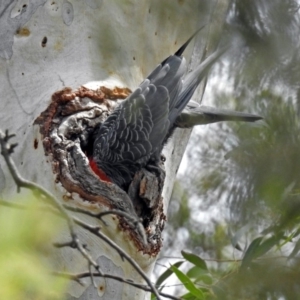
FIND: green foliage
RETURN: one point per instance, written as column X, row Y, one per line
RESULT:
column 258, row 248
column 191, row 278
column 255, row 276
column 246, row 177
column 165, row 275
column 188, row 284
column 194, row 259
column 25, row 240
column 261, row 184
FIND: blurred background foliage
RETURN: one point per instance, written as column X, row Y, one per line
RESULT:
column 236, row 204
column 26, row 237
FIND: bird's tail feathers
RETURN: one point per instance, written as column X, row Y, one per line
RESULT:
column 193, row 116
column 180, row 51
column 192, row 80
column 183, row 47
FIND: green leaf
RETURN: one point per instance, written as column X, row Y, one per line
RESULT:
column 194, row 259
column 189, row 296
column 206, row 278
column 167, row 274
column 189, row 285
column 269, row 243
column 258, row 247
column 195, row 272
column 250, row 254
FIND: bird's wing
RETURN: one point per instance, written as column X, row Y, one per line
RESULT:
column 134, row 128
column 169, row 74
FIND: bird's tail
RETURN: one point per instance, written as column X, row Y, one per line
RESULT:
column 192, row 80
column 198, row 115
column 180, row 51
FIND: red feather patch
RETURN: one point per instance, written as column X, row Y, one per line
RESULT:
column 98, row 171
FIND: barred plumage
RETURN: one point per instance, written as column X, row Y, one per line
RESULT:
column 137, row 129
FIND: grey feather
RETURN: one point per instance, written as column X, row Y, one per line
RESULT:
column 195, row 114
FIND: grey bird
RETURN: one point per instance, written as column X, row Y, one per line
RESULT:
column 135, row 132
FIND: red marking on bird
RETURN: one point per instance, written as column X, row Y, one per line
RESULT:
column 98, row 171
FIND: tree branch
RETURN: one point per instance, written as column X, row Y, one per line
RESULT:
column 96, row 231
column 135, row 221
column 77, row 277
column 39, row 191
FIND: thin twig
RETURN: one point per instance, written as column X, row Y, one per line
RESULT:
column 77, row 277
column 102, row 214
column 137, row 223
column 95, row 230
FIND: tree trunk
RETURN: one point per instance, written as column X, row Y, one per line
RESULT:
column 46, row 46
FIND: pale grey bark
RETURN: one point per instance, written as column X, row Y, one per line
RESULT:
column 48, row 45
